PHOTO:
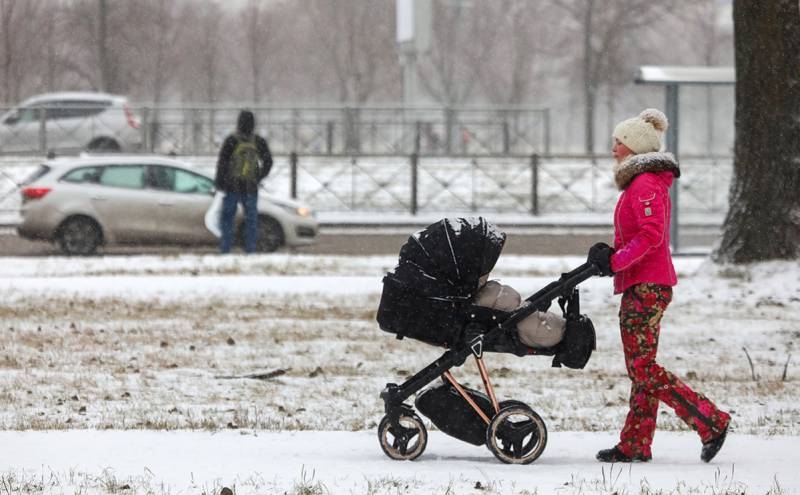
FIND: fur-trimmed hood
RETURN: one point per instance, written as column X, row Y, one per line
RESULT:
column 656, row 161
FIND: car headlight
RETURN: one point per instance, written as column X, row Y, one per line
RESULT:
column 301, row 211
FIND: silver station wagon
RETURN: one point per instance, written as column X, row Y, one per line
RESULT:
column 86, row 202
column 69, row 122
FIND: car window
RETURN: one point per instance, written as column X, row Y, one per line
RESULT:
column 83, row 175
column 127, row 176
column 39, row 172
column 161, row 178
column 72, row 109
column 188, row 182
column 28, row 114
column 12, row 118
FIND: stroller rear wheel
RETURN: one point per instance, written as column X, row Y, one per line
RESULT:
column 516, row 435
column 406, row 443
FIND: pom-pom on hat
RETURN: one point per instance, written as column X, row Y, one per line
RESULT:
column 642, row 134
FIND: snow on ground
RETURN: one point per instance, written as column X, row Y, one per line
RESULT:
column 120, row 371
column 351, row 463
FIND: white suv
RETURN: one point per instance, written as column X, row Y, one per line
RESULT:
column 70, row 122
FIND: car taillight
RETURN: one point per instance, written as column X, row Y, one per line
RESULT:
column 130, row 117
column 30, row 193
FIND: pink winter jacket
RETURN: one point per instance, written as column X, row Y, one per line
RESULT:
column 641, row 221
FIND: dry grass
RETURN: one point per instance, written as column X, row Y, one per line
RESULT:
column 111, row 363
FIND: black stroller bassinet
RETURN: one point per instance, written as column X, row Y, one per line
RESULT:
column 429, row 297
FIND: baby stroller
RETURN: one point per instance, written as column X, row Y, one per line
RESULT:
column 430, row 297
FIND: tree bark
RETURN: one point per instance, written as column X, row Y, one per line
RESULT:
column 763, row 220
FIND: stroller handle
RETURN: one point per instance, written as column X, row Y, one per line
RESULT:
column 580, row 274
column 562, row 287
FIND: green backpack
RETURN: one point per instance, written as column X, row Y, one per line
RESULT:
column 244, row 160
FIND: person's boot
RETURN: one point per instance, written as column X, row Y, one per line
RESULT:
column 615, row 455
column 711, row 447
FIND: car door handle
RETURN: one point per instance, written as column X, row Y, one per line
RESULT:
column 99, row 198
column 166, row 203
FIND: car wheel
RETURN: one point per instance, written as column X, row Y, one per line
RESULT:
column 78, row 236
column 104, row 144
column 270, row 235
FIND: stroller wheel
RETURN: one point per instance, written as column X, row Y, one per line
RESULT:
column 511, row 402
column 516, row 435
column 406, row 443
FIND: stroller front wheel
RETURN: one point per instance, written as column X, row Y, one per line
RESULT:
column 516, row 435
column 405, row 443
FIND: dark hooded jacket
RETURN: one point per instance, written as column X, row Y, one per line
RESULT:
column 245, row 128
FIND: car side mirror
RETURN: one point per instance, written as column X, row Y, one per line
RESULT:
column 11, row 120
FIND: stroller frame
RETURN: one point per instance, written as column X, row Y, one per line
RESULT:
column 403, row 435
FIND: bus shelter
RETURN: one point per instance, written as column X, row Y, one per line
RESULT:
column 672, row 78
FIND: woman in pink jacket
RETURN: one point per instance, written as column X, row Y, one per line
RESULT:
column 641, row 264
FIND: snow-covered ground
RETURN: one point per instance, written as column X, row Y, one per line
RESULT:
column 131, row 371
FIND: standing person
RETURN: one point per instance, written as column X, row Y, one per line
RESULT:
column 244, row 161
column 641, row 264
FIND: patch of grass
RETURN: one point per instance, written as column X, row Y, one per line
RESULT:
column 306, row 485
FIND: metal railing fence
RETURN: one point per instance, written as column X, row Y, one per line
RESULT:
column 530, row 185
column 200, row 129
column 522, row 184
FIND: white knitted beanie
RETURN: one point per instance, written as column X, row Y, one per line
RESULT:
column 642, row 134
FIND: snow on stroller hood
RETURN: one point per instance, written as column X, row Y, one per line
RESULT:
column 446, row 259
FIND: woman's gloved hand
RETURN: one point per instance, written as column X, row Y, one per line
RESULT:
column 600, row 256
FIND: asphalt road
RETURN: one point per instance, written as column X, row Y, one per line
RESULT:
column 361, row 242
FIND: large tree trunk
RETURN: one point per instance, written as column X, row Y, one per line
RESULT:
column 763, row 220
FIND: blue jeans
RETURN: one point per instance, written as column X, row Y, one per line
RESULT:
column 229, row 204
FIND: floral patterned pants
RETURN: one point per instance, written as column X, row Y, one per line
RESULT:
column 640, row 315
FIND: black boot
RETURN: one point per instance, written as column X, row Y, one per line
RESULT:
column 614, row 455
column 711, row 447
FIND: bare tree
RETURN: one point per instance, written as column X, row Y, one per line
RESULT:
column 93, row 35
column 19, row 43
column 508, row 74
column 156, row 44
column 110, row 46
column 462, row 42
column 358, row 45
column 204, row 54
column 259, row 36
column 763, row 220
column 602, row 27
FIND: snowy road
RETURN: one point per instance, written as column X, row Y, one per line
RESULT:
column 352, row 462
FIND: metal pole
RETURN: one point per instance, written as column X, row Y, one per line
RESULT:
column 353, row 192
column 293, row 174
column 147, row 141
column 417, row 136
column 449, row 119
column 534, row 184
column 43, row 130
column 473, row 172
column 671, row 107
column 506, row 138
column 329, row 137
column 547, row 131
column 414, row 164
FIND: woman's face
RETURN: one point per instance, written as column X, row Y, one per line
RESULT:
column 620, row 151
